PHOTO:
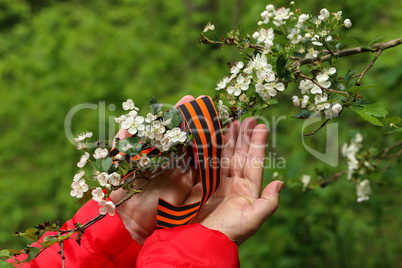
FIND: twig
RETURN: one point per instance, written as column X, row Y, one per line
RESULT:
column 389, row 148
column 315, row 131
column 62, row 253
column 368, row 67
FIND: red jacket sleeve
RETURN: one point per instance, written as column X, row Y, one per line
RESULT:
column 105, row 244
column 188, row 246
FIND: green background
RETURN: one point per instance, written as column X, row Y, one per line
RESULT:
column 55, row 55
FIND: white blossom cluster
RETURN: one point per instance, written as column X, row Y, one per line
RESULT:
column 152, row 127
column 320, row 99
column 349, row 151
column 258, row 72
column 298, row 34
column 363, row 189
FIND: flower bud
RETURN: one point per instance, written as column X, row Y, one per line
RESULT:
column 296, row 101
column 337, row 108
column 260, row 23
column 292, row 3
column 348, row 23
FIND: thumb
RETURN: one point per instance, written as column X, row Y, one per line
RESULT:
column 267, row 204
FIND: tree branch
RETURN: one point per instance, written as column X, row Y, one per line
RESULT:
column 353, row 51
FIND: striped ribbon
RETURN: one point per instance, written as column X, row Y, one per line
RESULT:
column 200, row 119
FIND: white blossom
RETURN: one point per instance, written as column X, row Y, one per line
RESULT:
column 223, row 110
column 319, row 98
column 237, row 67
column 294, row 36
column 107, row 207
column 79, row 188
column 338, row 15
column 324, row 14
column 305, row 86
column 280, row 16
column 209, row 27
column 265, row 36
column 83, row 160
column 144, row 161
column 311, row 53
column 150, row 118
column 134, row 125
column 363, row 190
column 305, row 180
column 239, row 85
column 305, row 101
column 97, row 194
column 129, row 105
column 176, row 135
column 114, row 179
column 301, row 20
column 79, row 175
column 100, row 153
column 243, row 98
column 83, row 135
column 103, row 178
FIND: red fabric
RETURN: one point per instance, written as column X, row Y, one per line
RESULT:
column 191, row 245
column 108, row 244
column 105, row 244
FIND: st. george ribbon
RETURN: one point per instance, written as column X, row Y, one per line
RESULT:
column 199, row 119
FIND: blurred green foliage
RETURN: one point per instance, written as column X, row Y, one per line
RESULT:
column 55, row 55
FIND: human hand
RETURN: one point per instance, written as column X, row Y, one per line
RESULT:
column 238, row 208
column 139, row 213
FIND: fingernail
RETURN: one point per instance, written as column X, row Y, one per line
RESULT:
column 279, row 186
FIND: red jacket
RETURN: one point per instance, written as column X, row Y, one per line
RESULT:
column 108, row 244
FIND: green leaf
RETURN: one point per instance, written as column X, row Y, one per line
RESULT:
column 97, row 164
column 106, row 163
column 174, row 116
column 399, row 130
column 349, row 75
column 393, row 120
column 375, row 109
column 4, row 264
column 154, row 106
column 5, row 253
column 33, row 252
column 378, row 38
column 356, row 89
column 304, row 114
column 273, row 101
column 363, row 114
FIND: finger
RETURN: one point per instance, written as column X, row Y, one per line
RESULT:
column 241, row 148
column 231, row 133
column 254, row 167
column 201, row 96
column 264, row 207
column 122, row 134
column 185, row 99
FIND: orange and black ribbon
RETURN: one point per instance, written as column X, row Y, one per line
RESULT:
column 200, row 119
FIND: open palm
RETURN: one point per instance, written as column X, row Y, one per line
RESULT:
column 238, row 208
